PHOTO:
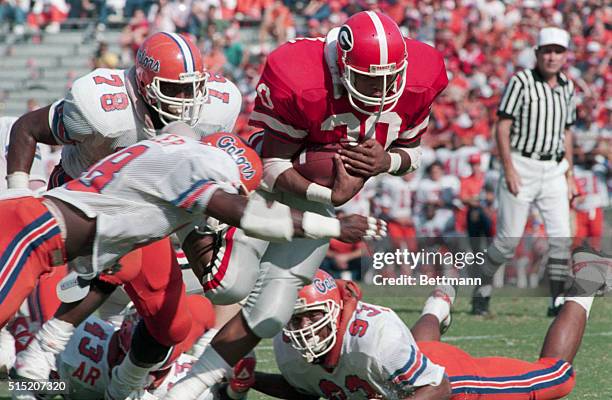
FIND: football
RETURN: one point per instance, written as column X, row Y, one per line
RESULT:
column 316, row 163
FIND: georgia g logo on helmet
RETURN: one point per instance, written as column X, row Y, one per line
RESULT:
column 345, row 38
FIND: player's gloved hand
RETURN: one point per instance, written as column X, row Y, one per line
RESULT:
column 346, row 186
column 243, row 378
column 354, row 228
column 365, row 159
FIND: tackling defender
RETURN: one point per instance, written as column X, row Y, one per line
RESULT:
column 105, row 111
column 337, row 347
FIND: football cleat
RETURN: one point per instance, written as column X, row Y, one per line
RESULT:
column 435, row 304
column 7, row 352
column 34, row 362
column 119, row 389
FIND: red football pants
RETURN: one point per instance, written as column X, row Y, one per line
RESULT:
column 203, row 314
column 153, row 280
column 30, row 245
column 157, row 290
column 500, row 378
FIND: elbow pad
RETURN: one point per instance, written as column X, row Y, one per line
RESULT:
column 271, row 223
column 415, row 154
column 272, row 169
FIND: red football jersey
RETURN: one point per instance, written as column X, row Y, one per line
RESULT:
column 295, row 97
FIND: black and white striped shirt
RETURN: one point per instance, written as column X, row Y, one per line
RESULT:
column 540, row 114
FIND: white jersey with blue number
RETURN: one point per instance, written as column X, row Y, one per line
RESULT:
column 147, row 191
column 379, row 359
column 102, row 113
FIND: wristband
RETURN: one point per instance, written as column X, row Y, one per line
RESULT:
column 316, row 226
column 396, row 162
column 18, row 180
column 319, row 193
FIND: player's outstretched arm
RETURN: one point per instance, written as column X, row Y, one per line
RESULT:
column 441, row 392
column 277, row 222
column 29, row 129
column 276, row 386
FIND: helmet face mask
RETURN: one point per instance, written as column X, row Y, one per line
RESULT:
column 313, row 328
column 385, row 102
column 162, row 97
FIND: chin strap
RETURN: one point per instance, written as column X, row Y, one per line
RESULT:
column 351, row 295
column 331, row 57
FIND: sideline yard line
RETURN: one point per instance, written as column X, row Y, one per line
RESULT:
column 485, row 337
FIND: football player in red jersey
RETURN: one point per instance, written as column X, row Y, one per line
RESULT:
column 364, row 85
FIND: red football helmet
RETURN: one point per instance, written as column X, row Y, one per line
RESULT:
column 249, row 163
column 371, row 44
column 169, row 65
column 321, row 295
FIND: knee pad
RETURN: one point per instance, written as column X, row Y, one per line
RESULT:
column 270, row 305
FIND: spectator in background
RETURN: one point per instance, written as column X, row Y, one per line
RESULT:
column 48, row 14
column 160, row 16
column 214, row 60
column 13, row 12
column 133, row 35
column 343, row 260
column 235, row 53
column 251, row 9
column 104, row 58
column 278, row 23
column 472, row 218
column 32, row 105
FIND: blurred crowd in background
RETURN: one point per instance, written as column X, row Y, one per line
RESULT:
column 484, row 42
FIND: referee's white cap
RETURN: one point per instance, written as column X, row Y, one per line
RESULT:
column 552, row 35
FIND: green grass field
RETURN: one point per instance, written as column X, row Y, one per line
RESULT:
column 516, row 329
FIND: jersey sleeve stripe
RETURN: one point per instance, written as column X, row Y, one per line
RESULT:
column 57, row 125
column 188, row 198
column 413, row 133
column 410, row 372
column 275, row 125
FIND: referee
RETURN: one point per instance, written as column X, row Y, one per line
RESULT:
column 535, row 147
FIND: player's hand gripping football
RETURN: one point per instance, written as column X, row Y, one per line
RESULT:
column 365, row 159
column 354, row 228
column 345, row 185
